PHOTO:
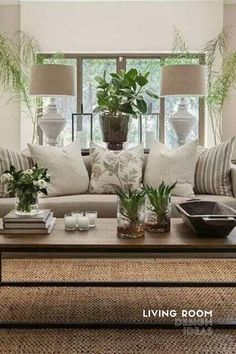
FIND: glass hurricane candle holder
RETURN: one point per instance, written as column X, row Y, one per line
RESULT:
column 92, row 215
column 83, row 223
column 70, row 222
column 77, row 215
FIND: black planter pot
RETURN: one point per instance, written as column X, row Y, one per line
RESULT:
column 114, row 129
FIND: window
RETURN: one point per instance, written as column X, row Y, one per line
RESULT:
column 153, row 125
column 92, row 68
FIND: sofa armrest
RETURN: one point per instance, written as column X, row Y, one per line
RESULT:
column 233, row 179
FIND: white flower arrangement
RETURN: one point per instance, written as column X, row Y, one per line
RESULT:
column 32, row 180
column 41, row 183
column 6, row 178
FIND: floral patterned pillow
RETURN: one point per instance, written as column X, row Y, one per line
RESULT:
column 122, row 168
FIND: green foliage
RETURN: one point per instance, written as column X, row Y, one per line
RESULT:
column 124, row 93
column 29, row 181
column 17, row 54
column 159, row 197
column 131, row 202
column 221, row 74
column 221, row 78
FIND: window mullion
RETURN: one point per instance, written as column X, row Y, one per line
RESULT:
column 79, row 101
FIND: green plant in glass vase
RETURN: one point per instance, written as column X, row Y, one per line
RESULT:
column 157, row 216
column 119, row 99
column 131, row 213
column 25, row 186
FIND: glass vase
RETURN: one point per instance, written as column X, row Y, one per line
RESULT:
column 157, row 221
column 130, row 228
column 26, row 203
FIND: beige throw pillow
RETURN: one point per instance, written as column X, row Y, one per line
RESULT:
column 17, row 159
column 168, row 165
column 123, row 168
column 212, row 174
column 65, row 166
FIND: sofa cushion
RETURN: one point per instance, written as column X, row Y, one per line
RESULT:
column 168, row 165
column 121, row 168
column 212, row 174
column 105, row 204
column 65, row 166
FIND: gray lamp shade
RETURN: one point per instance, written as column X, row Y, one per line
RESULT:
column 183, row 80
column 52, row 80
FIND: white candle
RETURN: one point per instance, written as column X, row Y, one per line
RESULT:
column 83, row 223
column 92, row 215
column 70, row 222
column 77, row 215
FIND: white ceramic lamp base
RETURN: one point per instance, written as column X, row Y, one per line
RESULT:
column 52, row 123
column 182, row 123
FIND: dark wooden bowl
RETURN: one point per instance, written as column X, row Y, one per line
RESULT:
column 208, row 219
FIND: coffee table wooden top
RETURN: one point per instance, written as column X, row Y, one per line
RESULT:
column 103, row 238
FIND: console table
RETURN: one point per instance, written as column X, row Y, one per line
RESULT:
column 103, row 239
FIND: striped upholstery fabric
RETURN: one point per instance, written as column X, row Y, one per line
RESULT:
column 212, row 173
column 17, row 159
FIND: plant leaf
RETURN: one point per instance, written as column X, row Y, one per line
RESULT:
column 142, row 106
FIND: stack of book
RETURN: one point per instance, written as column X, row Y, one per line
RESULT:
column 42, row 223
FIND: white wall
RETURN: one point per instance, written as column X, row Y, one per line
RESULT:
column 229, row 121
column 120, row 26
column 9, row 113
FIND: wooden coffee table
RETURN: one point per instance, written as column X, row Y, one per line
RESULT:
column 103, row 240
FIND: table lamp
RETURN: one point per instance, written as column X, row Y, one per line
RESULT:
column 185, row 80
column 52, row 80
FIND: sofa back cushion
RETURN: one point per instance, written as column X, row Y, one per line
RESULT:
column 10, row 157
column 212, row 174
column 172, row 166
column 65, row 166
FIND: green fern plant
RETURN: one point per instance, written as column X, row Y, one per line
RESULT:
column 159, row 198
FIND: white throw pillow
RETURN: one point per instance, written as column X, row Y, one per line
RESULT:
column 168, row 165
column 65, row 166
column 122, row 168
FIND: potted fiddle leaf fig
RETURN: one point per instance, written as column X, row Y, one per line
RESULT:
column 118, row 100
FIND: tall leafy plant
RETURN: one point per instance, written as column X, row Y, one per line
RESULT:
column 221, row 74
column 123, row 93
column 17, row 54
